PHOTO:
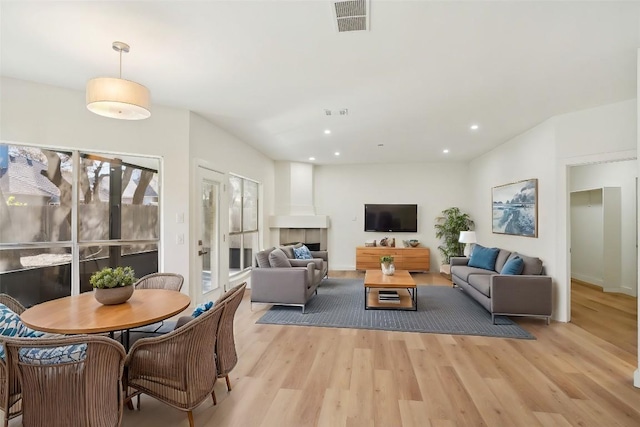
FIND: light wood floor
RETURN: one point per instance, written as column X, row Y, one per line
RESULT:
column 577, row 374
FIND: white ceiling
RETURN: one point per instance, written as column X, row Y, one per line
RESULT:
column 266, row 70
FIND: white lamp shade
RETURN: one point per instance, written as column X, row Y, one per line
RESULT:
column 118, row 98
column 467, row 237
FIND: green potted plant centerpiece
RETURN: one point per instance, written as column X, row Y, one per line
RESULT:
column 386, row 263
column 113, row 285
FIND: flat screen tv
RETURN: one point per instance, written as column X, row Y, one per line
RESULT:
column 395, row 218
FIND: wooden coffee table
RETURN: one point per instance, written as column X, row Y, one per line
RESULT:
column 401, row 281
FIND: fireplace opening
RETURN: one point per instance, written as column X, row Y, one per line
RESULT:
column 311, row 246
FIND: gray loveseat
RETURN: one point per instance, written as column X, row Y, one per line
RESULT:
column 525, row 294
column 280, row 279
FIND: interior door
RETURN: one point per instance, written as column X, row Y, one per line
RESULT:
column 209, row 233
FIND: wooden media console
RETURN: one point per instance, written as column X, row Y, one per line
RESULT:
column 410, row 259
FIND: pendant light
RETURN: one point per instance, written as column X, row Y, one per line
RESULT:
column 118, row 98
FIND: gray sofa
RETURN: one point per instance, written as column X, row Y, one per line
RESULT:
column 290, row 281
column 526, row 294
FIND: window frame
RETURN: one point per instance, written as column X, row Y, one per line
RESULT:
column 75, row 243
column 242, row 231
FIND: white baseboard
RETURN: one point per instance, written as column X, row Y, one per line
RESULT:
column 588, row 279
column 619, row 290
column 616, row 290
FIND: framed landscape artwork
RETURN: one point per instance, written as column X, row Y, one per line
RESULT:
column 515, row 208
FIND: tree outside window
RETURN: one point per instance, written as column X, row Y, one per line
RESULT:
column 117, row 213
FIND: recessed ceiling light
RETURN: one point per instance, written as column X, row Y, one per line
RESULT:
column 337, row 153
column 445, row 151
column 327, row 131
column 312, row 158
column 474, row 127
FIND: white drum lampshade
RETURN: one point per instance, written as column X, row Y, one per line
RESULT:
column 468, row 238
column 118, row 98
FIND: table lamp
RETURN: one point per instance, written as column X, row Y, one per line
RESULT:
column 467, row 237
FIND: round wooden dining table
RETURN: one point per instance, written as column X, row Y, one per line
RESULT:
column 82, row 314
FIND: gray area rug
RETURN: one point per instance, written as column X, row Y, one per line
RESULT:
column 441, row 310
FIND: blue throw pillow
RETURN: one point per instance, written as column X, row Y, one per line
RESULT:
column 302, row 252
column 513, row 267
column 484, row 258
column 202, row 308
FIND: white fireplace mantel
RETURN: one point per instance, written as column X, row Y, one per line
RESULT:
column 299, row 221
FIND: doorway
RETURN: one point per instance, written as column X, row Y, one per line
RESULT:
column 209, row 233
column 603, row 205
column 603, row 249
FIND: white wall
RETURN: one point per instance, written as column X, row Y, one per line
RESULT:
column 587, row 243
column 45, row 115
column 604, row 129
column 524, row 157
column 545, row 152
column 342, row 191
column 621, row 174
column 636, row 374
column 294, row 181
column 587, row 237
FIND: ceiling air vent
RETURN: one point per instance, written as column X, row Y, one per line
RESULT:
column 351, row 15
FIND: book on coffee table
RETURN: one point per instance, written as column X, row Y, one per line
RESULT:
column 388, row 296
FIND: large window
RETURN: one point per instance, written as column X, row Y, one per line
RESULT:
column 67, row 214
column 243, row 223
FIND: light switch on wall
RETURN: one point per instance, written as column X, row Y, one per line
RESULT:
column 180, row 239
column 180, row 218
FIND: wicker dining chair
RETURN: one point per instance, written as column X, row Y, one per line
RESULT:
column 169, row 281
column 69, row 381
column 175, row 368
column 226, row 355
column 11, row 398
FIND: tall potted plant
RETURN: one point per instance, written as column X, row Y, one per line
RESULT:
column 448, row 228
column 113, row 285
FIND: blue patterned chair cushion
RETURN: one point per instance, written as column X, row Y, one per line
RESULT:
column 10, row 323
column 12, row 326
column 302, row 252
column 202, row 308
column 53, row 355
